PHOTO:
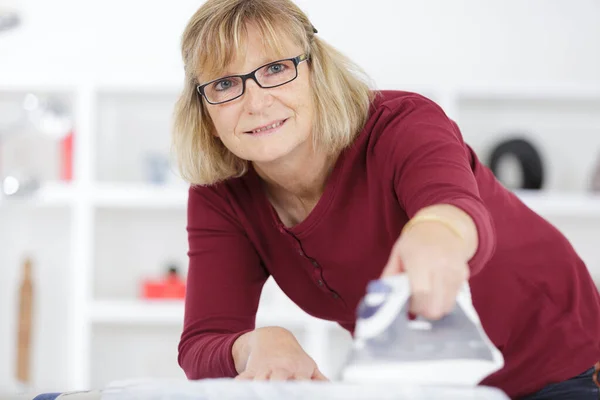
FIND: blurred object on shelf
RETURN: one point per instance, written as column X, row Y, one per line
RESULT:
column 595, row 184
column 170, row 286
column 49, row 115
column 66, row 158
column 517, row 164
column 12, row 186
column 36, row 138
column 156, row 168
column 24, row 333
column 9, row 20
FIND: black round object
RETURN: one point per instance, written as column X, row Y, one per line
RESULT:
column 529, row 159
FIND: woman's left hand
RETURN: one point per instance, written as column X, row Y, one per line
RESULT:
column 434, row 260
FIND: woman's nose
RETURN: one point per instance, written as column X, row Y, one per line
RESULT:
column 256, row 98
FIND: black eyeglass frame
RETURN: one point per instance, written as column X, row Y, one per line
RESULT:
column 252, row 75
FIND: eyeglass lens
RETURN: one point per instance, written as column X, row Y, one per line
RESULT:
column 270, row 75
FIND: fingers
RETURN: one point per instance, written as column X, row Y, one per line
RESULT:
column 394, row 264
column 244, row 376
column 439, row 298
column 280, row 375
column 300, row 377
column 318, row 376
column 434, row 291
column 430, row 296
column 448, row 298
column 263, row 375
column 276, row 355
column 421, row 290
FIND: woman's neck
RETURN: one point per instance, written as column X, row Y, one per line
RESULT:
column 301, row 176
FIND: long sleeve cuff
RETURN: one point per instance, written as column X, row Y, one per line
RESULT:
column 486, row 234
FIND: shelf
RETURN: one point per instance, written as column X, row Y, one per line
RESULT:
column 141, row 195
column 110, row 195
column 562, row 204
column 107, row 195
column 170, row 88
column 528, row 92
column 136, row 312
column 27, row 83
column 147, row 196
column 150, row 196
column 50, row 194
column 170, row 313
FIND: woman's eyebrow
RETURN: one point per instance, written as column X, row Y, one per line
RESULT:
column 264, row 61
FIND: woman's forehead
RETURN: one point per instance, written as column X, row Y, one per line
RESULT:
column 243, row 65
column 245, row 53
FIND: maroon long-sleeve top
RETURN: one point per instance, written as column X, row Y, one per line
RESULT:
column 534, row 295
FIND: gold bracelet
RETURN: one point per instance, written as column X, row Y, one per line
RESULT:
column 433, row 218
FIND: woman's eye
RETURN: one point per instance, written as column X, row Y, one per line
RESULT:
column 276, row 68
column 223, row 84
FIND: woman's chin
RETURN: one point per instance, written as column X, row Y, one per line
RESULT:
column 266, row 160
column 270, row 158
column 275, row 152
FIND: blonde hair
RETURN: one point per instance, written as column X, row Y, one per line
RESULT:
column 213, row 38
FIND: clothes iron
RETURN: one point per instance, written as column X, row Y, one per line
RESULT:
column 389, row 346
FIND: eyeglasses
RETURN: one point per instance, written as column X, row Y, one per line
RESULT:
column 270, row 75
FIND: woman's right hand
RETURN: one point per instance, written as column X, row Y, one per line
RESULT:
column 273, row 353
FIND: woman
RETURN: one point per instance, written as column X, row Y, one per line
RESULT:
column 300, row 172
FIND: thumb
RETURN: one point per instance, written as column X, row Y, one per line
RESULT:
column 394, row 265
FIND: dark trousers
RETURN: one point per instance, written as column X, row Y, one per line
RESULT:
column 581, row 387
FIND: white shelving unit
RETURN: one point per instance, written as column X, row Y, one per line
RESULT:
column 109, row 205
column 171, row 313
column 155, row 197
column 562, row 204
column 138, row 195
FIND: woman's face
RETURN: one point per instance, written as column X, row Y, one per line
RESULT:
column 288, row 106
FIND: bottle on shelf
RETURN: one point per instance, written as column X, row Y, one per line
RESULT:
column 25, row 317
column 170, row 286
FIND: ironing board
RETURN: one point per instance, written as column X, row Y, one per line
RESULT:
column 229, row 389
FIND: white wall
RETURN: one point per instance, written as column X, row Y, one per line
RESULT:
column 544, row 41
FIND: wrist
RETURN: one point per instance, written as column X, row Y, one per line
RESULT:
column 429, row 237
column 244, row 345
column 437, row 222
column 240, row 351
column 446, row 224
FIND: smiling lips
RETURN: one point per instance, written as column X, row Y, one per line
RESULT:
column 268, row 128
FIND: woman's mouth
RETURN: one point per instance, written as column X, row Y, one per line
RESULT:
column 265, row 130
